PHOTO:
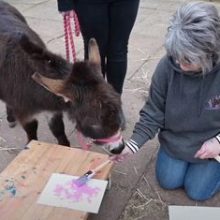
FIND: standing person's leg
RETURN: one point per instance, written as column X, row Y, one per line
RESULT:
column 170, row 172
column 122, row 17
column 202, row 181
column 94, row 23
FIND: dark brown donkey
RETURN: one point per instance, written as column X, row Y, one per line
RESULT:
column 33, row 79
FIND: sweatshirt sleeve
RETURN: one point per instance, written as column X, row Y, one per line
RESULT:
column 65, row 5
column 152, row 114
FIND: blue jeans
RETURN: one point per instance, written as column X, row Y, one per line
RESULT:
column 200, row 180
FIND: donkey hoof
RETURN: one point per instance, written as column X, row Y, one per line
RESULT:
column 12, row 124
column 64, row 141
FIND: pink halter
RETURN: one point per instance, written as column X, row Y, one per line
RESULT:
column 114, row 138
column 87, row 144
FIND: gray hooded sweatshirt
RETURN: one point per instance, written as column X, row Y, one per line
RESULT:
column 183, row 107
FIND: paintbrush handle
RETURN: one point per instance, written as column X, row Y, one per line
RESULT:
column 101, row 166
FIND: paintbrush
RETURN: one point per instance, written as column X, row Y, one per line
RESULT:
column 89, row 174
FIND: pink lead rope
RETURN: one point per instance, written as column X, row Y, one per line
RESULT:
column 82, row 141
column 69, row 42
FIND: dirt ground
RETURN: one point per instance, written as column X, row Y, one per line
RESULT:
column 135, row 194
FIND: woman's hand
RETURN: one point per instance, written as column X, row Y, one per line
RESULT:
column 129, row 149
column 209, row 149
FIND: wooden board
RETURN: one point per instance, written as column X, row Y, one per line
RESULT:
column 25, row 177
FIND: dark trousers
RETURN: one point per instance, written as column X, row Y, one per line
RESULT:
column 110, row 22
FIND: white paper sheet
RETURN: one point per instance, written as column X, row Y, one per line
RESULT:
column 61, row 192
column 194, row 213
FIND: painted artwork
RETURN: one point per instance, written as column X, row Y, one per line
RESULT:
column 61, row 191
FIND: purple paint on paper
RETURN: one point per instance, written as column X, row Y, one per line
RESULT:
column 74, row 193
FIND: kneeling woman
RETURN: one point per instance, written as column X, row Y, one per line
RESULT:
column 184, row 104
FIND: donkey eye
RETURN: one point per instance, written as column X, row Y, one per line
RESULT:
column 49, row 61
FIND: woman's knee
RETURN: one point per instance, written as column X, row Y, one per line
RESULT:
column 166, row 182
column 197, row 193
column 200, row 190
column 170, row 172
column 202, row 181
column 168, row 178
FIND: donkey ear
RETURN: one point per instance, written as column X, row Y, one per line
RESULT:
column 27, row 45
column 55, row 86
column 31, row 48
column 94, row 55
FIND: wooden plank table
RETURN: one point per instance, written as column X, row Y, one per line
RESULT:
column 25, row 177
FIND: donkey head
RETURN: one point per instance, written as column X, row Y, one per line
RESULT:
column 93, row 103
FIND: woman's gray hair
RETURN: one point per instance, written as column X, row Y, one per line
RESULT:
column 194, row 35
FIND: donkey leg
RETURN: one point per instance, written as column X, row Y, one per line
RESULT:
column 10, row 117
column 57, row 128
column 31, row 129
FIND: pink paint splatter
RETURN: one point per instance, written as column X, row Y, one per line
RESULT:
column 74, row 193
